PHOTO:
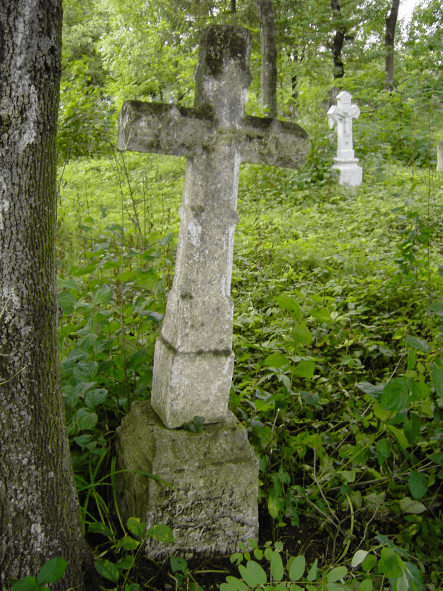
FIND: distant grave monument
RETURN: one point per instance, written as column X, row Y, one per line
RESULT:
column 345, row 162
column 211, row 504
column 439, row 156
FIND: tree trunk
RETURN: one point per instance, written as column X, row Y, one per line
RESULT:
column 268, row 41
column 39, row 517
column 233, row 6
column 391, row 22
column 338, row 41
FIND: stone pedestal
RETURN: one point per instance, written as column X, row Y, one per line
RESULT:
column 211, row 505
column 350, row 173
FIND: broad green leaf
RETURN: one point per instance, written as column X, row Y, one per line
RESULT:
column 305, row 369
column 258, row 553
column 418, row 484
column 128, row 543
column 68, row 283
column 358, row 558
column 301, row 335
column 411, row 427
column 312, row 574
column 395, row 395
column 323, row 314
column 297, row 568
column 348, row 475
column 178, row 564
column 437, row 458
column 419, row 390
column 280, row 587
column 276, row 566
column 380, row 413
column 102, row 296
column 276, row 360
column 402, row 583
column 25, row 584
column 436, row 308
column 290, row 305
column 336, row 574
column 365, row 585
column 99, row 528
column 274, row 505
column 161, row 533
column 132, row 587
column 233, row 584
column 368, row 563
column 136, row 527
column 95, row 397
column 383, row 448
column 67, row 301
column 371, row 389
column 107, row 569
column 86, row 270
column 253, row 574
column 400, row 436
column 419, row 344
column 295, row 588
column 390, row 563
column 414, row 575
column 437, row 379
column 126, row 563
column 85, row 419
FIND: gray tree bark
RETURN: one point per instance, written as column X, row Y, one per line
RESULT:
column 268, row 41
column 39, row 516
column 391, row 23
column 338, row 41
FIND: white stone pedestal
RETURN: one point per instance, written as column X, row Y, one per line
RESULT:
column 212, row 504
column 350, row 173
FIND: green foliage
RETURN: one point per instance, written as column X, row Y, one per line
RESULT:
column 269, row 572
column 127, row 549
column 51, row 572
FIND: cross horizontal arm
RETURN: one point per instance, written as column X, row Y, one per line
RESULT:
column 179, row 131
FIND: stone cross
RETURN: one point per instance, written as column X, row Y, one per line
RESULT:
column 342, row 115
column 193, row 360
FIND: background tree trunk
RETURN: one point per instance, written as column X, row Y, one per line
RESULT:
column 268, row 41
column 39, row 517
column 338, row 41
column 391, row 23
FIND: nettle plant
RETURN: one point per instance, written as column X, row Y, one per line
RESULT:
column 366, row 572
column 112, row 304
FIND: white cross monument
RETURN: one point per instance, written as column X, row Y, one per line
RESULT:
column 342, row 115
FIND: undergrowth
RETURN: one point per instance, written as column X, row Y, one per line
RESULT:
column 338, row 375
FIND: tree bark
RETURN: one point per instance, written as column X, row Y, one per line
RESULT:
column 338, row 41
column 39, row 516
column 268, row 41
column 233, row 6
column 391, row 22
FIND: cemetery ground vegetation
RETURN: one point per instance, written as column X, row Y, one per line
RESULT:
column 338, row 375
column 338, row 300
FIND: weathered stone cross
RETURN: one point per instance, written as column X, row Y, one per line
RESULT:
column 193, row 360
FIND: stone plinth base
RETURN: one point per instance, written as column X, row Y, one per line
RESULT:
column 212, row 503
column 350, row 173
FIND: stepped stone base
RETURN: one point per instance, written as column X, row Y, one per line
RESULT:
column 211, row 504
column 350, row 173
